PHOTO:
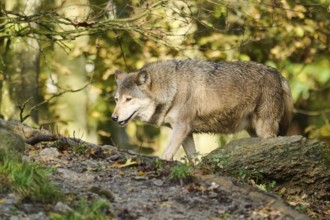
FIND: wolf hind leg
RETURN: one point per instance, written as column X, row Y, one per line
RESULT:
column 262, row 127
column 265, row 121
column 270, row 108
column 251, row 131
column 266, row 128
column 189, row 147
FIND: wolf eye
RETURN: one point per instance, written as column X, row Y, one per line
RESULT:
column 116, row 99
column 128, row 99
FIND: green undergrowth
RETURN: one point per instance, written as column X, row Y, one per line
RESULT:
column 255, row 177
column 181, row 172
column 86, row 210
column 28, row 180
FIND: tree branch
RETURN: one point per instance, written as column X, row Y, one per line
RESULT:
column 50, row 24
column 35, row 107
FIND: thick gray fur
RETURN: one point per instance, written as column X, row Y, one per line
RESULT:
column 196, row 96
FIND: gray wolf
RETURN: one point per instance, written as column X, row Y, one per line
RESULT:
column 196, row 96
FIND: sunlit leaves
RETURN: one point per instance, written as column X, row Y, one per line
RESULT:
column 292, row 36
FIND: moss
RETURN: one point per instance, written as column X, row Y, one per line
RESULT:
column 326, row 153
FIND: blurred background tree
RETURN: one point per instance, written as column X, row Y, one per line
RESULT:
column 57, row 58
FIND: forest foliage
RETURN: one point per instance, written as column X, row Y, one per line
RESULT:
column 57, row 58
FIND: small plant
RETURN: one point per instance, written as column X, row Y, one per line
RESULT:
column 271, row 186
column 27, row 180
column 224, row 216
column 267, row 187
column 245, row 174
column 86, row 210
column 80, row 149
column 242, row 173
column 216, row 162
column 255, row 176
column 220, row 160
column 181, row 172
column 158, row 165
column 76, row 146
column 302, row 208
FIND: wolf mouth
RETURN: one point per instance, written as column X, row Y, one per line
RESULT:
column 124, row 122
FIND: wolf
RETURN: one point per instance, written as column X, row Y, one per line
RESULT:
column 199, row 96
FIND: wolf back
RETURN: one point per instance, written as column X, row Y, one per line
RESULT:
column 195, row 96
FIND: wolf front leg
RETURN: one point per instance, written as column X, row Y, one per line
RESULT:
column 179, row 134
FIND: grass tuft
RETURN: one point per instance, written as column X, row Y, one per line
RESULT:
column 181, row 172
column 85, row 210
column 28, row 180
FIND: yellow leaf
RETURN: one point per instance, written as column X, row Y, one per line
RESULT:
column 140, row 173
column 299, row 31
column 129, row 162
column 325, row 131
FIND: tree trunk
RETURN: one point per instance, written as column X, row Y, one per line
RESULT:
column 20, row 69
column 297, row 165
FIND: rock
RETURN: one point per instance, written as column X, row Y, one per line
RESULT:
column 50, row 153
column 114, row 157
column 91, row 164
column 10, row 141
column 74, row 176
column 38, row 216
column 108, row 148
column 158, row 182
column 229, row 188
column 106, row 193
column 29, row 135
column 140, row 178
column 11, row 199
column 8, row 207
column 62, row 208
column 142, row 218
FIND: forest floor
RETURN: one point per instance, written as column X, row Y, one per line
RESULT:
column 116, row 184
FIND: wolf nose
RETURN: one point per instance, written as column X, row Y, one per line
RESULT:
column 115, row 118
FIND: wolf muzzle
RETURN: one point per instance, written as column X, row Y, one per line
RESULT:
column 114, row 118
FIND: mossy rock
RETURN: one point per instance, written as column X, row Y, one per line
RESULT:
column 296, row 164
column 10, row 141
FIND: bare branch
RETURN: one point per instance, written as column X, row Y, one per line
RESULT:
column 35, row 107
column 50, row 24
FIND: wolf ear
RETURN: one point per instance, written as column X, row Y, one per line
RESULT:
column 119, row 75
column 143, row 78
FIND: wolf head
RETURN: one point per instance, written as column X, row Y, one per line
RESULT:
column 133, row 98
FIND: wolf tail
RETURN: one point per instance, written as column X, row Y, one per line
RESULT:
column 288, row 108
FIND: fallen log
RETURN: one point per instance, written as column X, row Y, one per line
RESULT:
column 298, row 166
